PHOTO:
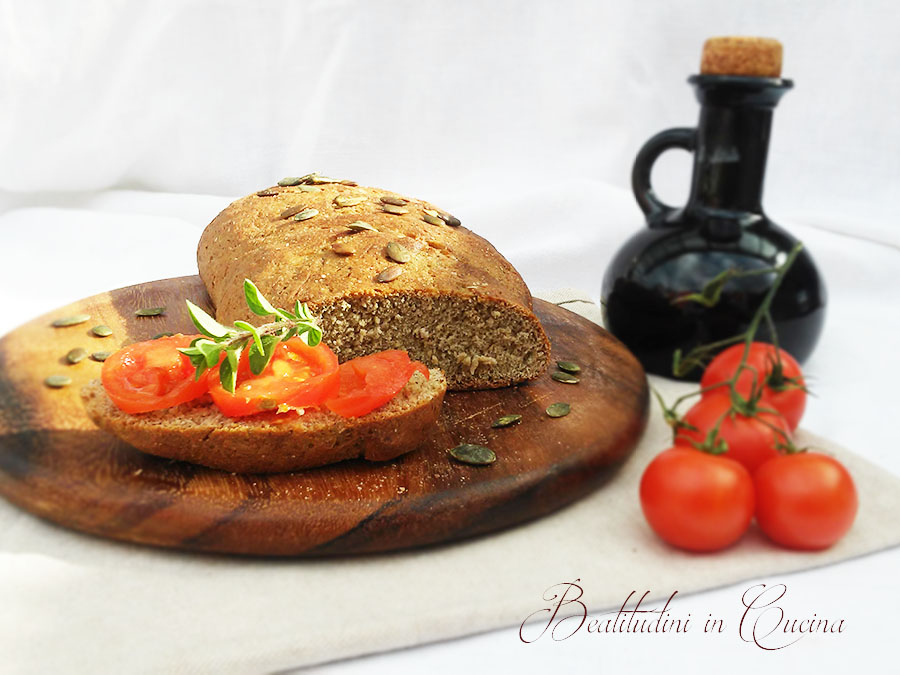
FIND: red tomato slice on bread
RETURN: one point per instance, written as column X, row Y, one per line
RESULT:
column 368, row 382
column 151, row 375
column 298, row 376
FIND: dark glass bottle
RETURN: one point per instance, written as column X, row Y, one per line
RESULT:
column 722, row 226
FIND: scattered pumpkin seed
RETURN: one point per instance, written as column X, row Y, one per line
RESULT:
column 351, row 183
column 342, row 248
column 360, row 226
column 432, row 218
column 398, row 253
column 101, row 356
column 558, row 409
column 451, row 220
column 73, row 320
column 307, row 188
column 394, row 201
column 291, row 211
column 469, row 453
column 306, row 214
column 102, row 330
column 394, row 209
column 348, row 200
column 162, row 335
column 506, row 421
column 150, row 311
column 58, row 381
column 268, row 192
column 569, row 367
column 389, row 274
column 565, row 378
column 316, row 179
column 290, row 181
column 76, row 355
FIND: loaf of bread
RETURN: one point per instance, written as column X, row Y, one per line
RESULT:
column 382, row 271
column 197, row 432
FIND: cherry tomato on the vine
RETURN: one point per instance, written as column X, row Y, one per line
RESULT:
column 783, row 388
column 804, row 500
column 695, row 500
column 751, row 440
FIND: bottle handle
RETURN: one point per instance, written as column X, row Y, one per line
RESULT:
column 682, row 137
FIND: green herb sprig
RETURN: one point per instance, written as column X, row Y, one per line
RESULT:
column 205, row 352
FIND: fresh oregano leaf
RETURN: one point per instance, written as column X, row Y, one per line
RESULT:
column 259, row 356
column 205, row 323
column 250, row 328
column 256, row 301
column 228, row 369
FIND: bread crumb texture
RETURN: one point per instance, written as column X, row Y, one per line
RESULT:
column 440, row 292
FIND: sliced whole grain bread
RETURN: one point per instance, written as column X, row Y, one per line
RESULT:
column 414, row 280
column 270, row 442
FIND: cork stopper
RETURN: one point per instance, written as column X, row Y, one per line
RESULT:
column 747, row 56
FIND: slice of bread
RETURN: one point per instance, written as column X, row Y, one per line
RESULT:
column 270, row 442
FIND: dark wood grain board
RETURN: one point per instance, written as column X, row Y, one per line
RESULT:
column 56, row 464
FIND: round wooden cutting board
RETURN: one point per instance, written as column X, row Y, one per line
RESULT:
column 56, row 464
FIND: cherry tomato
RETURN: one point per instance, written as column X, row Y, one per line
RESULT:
column 368, row 382
column 783, row 390
column 695, row 500
column 298, row 375
column 751, row 440
column 804, row 500
column 151, row 375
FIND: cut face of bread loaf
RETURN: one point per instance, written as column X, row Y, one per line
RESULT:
column 382, row 272
column 197, row 432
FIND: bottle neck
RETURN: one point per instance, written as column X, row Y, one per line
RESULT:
column 733, row 141
column 730, row 159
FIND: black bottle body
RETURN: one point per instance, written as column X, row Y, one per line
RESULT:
column 721, row 227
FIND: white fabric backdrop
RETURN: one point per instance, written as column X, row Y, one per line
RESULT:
column 521, row 117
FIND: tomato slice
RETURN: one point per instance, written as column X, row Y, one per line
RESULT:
column 298, row 376
column 151, row 375
column 368, row 382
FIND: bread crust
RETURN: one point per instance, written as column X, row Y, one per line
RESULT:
column 256, row 237
column 197, row 432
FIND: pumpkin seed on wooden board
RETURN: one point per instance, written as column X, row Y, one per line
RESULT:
column 75, row 355
column 389, row 274
column 101, row 356
column 394, row 209
column 360, row 226
column 558, row 409
column 306, row 214
column 469, row 453
column 150, row 311
column 569, row 367
column 102, row 330
column 58, row 381
column 398, row 253
column 342, row 201
column 73, row 320
column 565, row 378
column 506, row 421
